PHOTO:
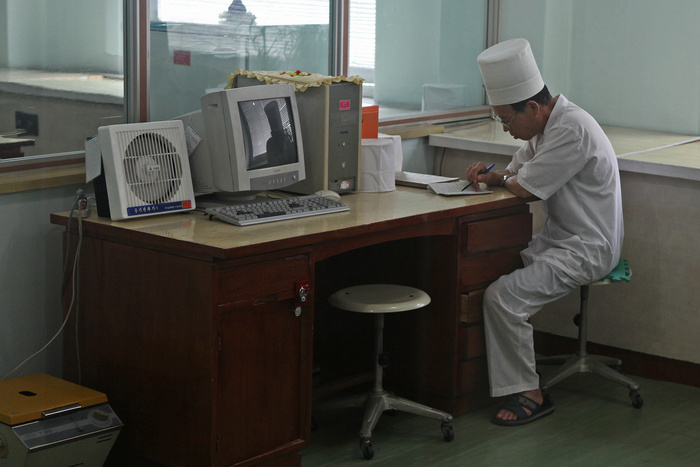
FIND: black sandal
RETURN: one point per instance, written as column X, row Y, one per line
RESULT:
column 518, row 403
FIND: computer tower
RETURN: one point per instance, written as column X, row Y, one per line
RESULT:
column 331, row 125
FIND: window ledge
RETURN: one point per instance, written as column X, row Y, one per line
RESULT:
column 85, row 87
column 641, row 151
column 412, row 131
column 46, row 178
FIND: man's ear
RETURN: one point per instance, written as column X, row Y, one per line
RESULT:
column 533, row 106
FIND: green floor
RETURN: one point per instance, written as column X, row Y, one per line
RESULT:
column 594, row 424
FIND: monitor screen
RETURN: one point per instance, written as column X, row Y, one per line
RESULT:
column 268, row 132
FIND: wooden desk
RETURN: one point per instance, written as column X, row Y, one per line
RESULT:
column 188, row 325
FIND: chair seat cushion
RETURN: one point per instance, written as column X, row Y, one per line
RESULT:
column 622, row 272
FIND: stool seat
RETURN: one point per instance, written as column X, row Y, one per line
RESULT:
column 379, row 298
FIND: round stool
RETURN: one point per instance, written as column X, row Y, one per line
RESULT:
column 582, row 361
column 380, row 299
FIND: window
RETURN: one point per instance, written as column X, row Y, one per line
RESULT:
column 61, row 77
column 64, row 70
column 418, row 58
column 195, row 44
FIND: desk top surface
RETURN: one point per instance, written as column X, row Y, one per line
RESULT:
column 369, row 213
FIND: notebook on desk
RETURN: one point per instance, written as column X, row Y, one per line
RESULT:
column 420, row 180
column 458, row 188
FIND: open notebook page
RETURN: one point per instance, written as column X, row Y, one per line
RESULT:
column 455, row 189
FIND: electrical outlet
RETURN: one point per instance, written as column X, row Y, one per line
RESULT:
column 28, row 122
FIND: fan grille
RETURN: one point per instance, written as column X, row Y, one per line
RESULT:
column 152, row 168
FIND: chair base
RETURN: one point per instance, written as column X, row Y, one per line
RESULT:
column 379, row 401
column 573, row 364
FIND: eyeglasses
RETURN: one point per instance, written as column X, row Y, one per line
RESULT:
column 498, row 119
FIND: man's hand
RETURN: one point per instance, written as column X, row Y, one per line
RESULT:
column 477, row 173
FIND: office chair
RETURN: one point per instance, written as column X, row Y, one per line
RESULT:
column 582, row 361
column 379, row 299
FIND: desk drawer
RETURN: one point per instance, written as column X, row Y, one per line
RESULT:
column 499, row 233
column 470, row 310
column 470, row 337
column 471, row 341
column 275, row 279
column 480, row 269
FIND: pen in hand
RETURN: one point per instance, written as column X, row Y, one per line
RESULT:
column 470, row 183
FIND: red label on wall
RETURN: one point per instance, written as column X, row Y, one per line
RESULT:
column 181, row 57
column 344, row 104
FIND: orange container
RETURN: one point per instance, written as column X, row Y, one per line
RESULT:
column 370, row 122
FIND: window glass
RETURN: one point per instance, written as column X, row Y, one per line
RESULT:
column 418, row 56
column 195, row 44
column 61, row 76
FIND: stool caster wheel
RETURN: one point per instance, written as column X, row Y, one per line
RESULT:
column 448, row 432
column 367, row 449
column 637, row 401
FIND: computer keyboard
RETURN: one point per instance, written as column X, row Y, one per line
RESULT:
column 270, row 210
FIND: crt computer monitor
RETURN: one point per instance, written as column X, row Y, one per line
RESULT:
column 253, row 140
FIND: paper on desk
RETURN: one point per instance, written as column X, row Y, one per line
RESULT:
column 93, row 158
column 455, row 189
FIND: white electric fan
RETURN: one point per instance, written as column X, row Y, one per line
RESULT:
column 146, row 169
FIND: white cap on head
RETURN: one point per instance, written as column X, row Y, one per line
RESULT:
column 510, row 72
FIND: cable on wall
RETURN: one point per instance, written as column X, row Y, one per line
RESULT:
column 79, row 210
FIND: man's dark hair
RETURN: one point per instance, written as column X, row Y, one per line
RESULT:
column 543, row 97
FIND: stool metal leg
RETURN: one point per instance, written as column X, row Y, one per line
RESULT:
column 582, row 362
column 380, row 400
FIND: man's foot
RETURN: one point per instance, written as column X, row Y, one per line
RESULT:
column 524, row 408
column 535, row 395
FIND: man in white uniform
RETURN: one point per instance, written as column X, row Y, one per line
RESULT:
column 570, row 165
